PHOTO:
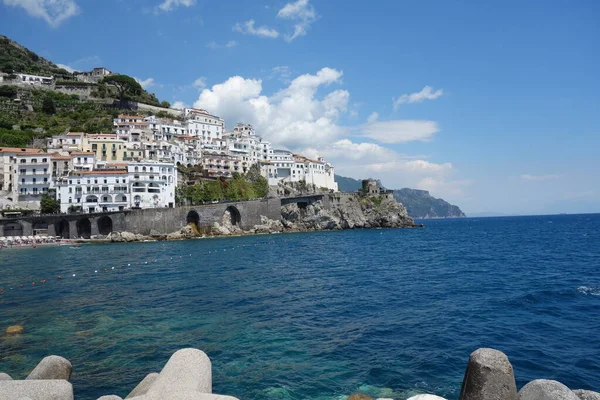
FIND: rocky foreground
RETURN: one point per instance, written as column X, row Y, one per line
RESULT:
column 188, row 376
column 362, row 213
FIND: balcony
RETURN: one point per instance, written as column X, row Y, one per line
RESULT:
column 30, row 183
column 37, row 173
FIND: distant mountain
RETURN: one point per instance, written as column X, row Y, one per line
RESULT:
column 418, row 203
column 347, row 184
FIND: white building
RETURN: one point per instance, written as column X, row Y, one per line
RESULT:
column 35, row 79
column 152, row 184
column 70, row 141
column 284, row 166
column 30, row 176
column 203, row 125
column 7, row 157
column 94, row 191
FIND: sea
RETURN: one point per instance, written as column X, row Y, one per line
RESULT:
column 386, row 312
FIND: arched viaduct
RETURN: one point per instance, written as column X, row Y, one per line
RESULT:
column 244, row 214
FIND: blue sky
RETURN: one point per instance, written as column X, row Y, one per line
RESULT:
column 494, row 106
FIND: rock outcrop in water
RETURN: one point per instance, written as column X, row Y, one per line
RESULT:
column 361, row 212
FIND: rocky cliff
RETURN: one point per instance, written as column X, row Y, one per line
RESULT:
column 362, row 212
column 420, row 204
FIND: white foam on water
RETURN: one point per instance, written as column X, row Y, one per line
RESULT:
column 591, row 290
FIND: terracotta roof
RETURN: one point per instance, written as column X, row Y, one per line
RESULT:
column 19, row 150
column 131, row 116
column 59, row 157
column 105, row 172
column 74, row 133
column 82, row 153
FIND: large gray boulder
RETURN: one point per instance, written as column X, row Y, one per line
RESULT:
column 110, row 397
column 5, row 377
column 489, row 376
column 188, row 370
column 36, row 390
column 143, row 386
column 587, row 394
column 543, row 389
column 52, row 367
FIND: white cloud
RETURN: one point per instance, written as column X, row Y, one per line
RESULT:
column 200, row 83
column 54, row 12
column 145, row 83
column 248, row 28
column 66, row 67
column 426, row 93
column 366, row 152
column 373, row 117
column 215, row 45
column 293, row 117
column 304, row 116
column 281, row 72
column 400, row 131
column 170, row 5
column 179, row 105
column 413, row 166
column 300, row 11
column 540, row 178
column 451, row 188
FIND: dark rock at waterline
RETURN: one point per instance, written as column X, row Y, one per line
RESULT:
column 52, row 367
column 359, row 396
column 586, row 394
column 489, row 376
column 543, row 389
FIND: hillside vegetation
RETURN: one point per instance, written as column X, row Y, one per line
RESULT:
column 16, row 58
column 28, row 112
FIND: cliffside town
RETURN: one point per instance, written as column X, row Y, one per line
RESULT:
column 136, row 166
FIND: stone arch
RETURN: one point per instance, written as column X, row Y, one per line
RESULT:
column 40, row 227
column 63, row 229
column 105, row 225
column 234, row 215
column 84, row 228
column 193, row 218
column 13, row 229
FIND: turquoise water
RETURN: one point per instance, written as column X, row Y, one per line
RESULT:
column 316, row 315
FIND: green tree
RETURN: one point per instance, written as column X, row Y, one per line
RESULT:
column 48, row 106
column 48, row 205
column 165, row 104
column 126, row 85
column 8, row 91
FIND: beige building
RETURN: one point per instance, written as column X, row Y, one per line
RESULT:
column 106, row 147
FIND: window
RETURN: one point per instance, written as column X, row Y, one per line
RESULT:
column 44, row 160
